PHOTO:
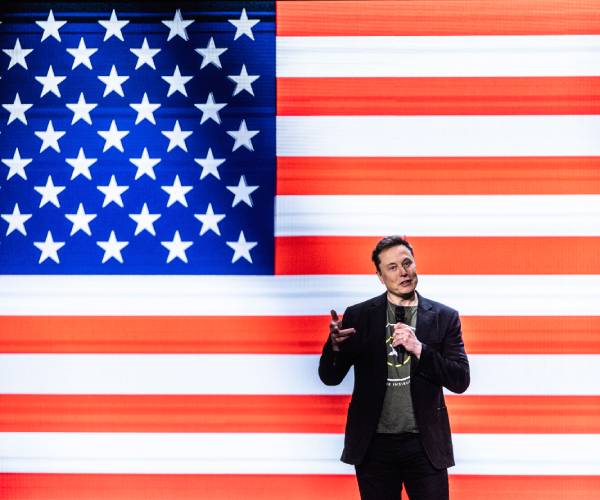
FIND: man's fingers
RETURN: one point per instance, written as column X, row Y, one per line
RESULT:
column 334, row 315
column 342, row 335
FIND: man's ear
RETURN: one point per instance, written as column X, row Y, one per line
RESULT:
column 379, row 276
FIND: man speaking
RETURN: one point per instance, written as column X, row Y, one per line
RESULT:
column 404, row 349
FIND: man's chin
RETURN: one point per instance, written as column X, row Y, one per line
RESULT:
column 406, row 293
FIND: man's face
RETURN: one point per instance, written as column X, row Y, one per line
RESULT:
column 398, row 271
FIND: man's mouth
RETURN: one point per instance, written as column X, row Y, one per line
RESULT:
column 405, row 282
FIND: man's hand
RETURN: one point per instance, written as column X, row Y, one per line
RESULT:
column 405, row 336
column 338, row 336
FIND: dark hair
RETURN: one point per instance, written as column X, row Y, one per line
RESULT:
column 389, row 242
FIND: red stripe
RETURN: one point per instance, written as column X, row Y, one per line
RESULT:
column 372, row 176
column 161, row 334
column 438, row 96
column 269, row 487
column 449, row 17
column 287, row 414
column 299, row 255
column 262, row 335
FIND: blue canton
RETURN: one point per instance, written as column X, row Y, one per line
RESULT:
column 138, row 142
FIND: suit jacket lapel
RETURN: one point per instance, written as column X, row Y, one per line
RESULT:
column 426, row 322
column 377, row 322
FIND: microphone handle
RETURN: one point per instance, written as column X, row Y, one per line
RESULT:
column 400, row 350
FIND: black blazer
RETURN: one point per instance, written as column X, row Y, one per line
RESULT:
column 443, row 363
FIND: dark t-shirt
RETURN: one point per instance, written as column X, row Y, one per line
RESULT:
column 397, row 414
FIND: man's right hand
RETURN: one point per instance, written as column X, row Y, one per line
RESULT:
column 338, row 336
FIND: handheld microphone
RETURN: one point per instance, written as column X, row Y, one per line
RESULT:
column 400, row 318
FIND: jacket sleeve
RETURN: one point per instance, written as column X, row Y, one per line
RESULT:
column 334, row 365
column 448, row 367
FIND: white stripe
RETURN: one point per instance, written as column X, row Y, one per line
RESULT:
column 507, row 454
column 481, row 295
column 275, row 374
column 438, row 136
column 407, row 56
column 431, row 215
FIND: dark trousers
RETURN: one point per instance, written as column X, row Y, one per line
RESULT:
column 397, row 460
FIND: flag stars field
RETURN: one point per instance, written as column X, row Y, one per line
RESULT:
column 110, row 95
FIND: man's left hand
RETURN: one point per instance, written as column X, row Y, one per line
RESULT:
column 405, row 336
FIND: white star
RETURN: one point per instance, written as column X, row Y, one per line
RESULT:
column 241, row 248
column 145, row 110
column 243, row 25
column 17, row 55
column 243, row 136
column 211, row 54
column 113, row 27
column 177, row 192
column 243, row 81
column 242, row 192
column 50, row 137
column 145, row 165
column 51, row 27
column 49, row 192
column 81, row 165
column 49, row 248
column 17, row 110
column 81, row 110
column 209, row 165
column 210, row 221
column 112, row 248
column 177, row 27
column 176, row 82
column 113, row 82
column 16, row 165
column 112, row 192
column 210, row 109
column 145, row 55
column 50, row 82
column 16, row 220
column 113, row 137
column 82, row 55
column 176, row 137
column 145, row 221
column 81, row 221
column 176, row 248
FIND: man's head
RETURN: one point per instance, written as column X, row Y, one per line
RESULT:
column 395, row 264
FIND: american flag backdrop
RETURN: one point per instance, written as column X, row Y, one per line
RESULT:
column 186, row 189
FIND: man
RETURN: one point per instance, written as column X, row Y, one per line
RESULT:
column 404, row 348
